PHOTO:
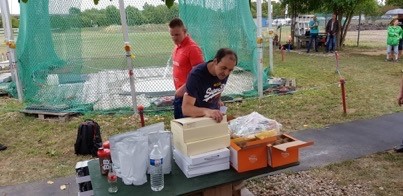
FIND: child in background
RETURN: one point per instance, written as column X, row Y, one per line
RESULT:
column 394, row 35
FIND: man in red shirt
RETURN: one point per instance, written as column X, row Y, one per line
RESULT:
column 185, row 55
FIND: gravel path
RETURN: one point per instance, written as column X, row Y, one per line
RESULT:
column 303, row 183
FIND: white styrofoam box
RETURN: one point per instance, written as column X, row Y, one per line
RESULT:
column 206, row 157
column 190, row 173
column 179, row 155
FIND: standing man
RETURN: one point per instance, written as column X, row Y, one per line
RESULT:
column 206, row 83
column 185, row 55
column 400, row 18
column 332, row 28
column 313, row 32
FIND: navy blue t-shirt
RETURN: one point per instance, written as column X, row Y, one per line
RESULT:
column 205, row 87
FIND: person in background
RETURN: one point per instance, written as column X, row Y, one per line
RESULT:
column 394, row 35
column 332, row 28
column 400, row 18
column 205, row 84
column 400, row 103
column 313, row 32
column 2, row 147
column 185, row 55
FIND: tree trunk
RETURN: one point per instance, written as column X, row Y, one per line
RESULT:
column 293, row 20
column 346, row 24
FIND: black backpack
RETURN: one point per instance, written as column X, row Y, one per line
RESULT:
column 88, row 138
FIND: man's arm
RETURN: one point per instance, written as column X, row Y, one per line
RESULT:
column 400, row 97
column 196, row 56
column 189, row 109
column 180, row 91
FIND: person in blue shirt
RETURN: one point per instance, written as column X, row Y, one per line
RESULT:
column 313, row 32
column 205, row 84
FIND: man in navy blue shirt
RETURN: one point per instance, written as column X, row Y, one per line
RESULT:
column 205, row 84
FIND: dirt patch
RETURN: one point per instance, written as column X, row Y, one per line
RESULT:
column 373, row 53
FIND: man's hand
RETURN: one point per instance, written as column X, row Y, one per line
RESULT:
column 400, row 100
column 214, row 114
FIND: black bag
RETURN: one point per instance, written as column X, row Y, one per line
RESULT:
column 88, row 138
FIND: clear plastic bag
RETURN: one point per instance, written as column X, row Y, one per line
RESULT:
column 130, row 152
column 252, row 124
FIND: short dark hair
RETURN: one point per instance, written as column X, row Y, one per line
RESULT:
column 176, row 22
column 222, row 52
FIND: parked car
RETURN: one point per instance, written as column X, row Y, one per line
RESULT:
column 281, row 21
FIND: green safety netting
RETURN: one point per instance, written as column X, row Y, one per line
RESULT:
column 70, row 53
column 225, row 23
column 222, row 23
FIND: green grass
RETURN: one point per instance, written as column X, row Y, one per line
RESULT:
column 104, row 49
column 372, row 86
column 44, row 150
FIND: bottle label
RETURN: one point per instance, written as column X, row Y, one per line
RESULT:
column 105, row 164
column 155, row 162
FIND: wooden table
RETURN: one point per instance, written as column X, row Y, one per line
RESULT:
column 304, row 40
column 176, row 182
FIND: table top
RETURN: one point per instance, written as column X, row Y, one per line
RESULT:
column 176, row 183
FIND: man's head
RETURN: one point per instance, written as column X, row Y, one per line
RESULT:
column 314, row 17
column 177, row 30
column 224, row 62
column 334, row 16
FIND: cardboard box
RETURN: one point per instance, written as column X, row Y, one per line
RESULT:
column 194, row 129
column 286, row 151
column 201, row 146
column 250, row 155
column 200, row 169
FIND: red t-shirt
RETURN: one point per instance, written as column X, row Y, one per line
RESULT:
column 185, row 56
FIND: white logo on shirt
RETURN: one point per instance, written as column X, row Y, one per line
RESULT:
column 211, row 93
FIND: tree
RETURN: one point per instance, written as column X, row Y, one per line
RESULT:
column 134, row 16
column 296, row 7
column 113, row 15
column 395, row 3
column 345, row 9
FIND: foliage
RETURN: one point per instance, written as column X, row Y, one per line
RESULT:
column 110, row 16
column 168, row 3
column 278, row 9
column 347, row 9
column 395, row 3
column 296, row 7
column 14, row 22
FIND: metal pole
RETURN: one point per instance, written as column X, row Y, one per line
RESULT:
column 269, row 18
column 260, row 48
column 343, row 95
column 9, row 36
column 128, row 54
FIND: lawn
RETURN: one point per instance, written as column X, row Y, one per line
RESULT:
column 371, row 84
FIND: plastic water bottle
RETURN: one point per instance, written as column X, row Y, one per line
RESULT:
column 156, row 175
